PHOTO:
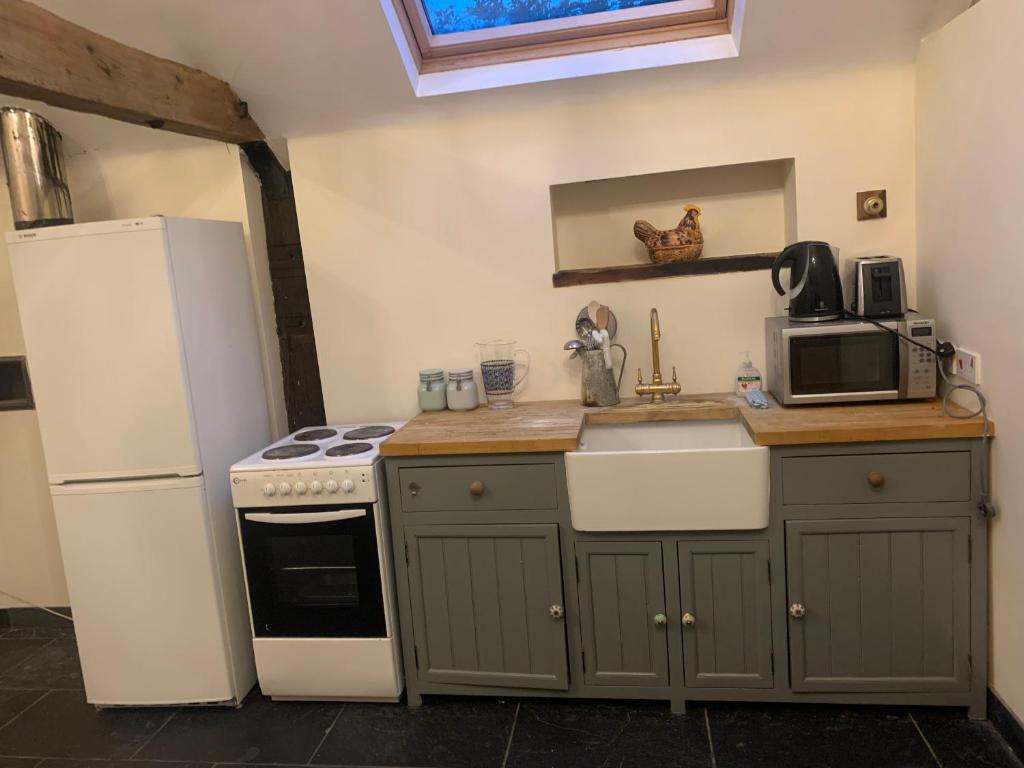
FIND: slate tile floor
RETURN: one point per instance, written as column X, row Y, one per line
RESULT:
column 46, row 723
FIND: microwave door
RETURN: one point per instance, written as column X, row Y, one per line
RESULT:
column 313, row 572
column 853, row 363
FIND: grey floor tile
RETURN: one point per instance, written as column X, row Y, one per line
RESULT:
column 261, row 731
column 13, row 703
column 471, row 732
column 53, row 666
column 823, row 736
column 63, row 724
column 962, row 743
column 583, row 734
column 14, row 651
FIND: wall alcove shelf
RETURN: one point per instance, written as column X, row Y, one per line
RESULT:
column 748, row 215
column 713, row 266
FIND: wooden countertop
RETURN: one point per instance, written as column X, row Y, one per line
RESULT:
column 555, row 425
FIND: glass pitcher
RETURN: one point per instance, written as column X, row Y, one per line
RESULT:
column 502, row 369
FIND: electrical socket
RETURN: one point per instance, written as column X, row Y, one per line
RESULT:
column 967, row 365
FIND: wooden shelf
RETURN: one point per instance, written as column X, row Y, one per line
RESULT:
column 716, row 266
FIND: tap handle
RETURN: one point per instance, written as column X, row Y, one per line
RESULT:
column 675, row 379
column 639, row 375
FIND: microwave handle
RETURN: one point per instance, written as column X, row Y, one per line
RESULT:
column 304, row 517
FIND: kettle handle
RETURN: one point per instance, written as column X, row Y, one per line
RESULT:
column 784, row 258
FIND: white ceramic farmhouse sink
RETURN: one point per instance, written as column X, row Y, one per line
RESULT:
column 668, row 476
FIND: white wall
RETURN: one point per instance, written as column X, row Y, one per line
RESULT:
column 426, row 235
column 970, row 180
column 115, row 171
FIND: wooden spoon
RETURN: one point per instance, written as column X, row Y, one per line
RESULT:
column 602, row 318
column 592, row 308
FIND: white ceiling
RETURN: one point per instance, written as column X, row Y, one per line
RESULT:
column 311, row 66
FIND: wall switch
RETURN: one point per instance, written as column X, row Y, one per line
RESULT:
column 967, row 365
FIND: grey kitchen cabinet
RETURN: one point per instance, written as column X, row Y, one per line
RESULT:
column 726, row 604
column 879, row 546
column 880, row 604
column 622, row 612
column 487, row 604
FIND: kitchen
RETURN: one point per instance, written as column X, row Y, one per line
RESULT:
column 411, row 228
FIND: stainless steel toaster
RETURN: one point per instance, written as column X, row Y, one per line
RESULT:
column 876, row 287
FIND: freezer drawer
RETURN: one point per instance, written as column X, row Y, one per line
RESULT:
column 145, row 592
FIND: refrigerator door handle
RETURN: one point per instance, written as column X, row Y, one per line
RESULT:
column 299, row 518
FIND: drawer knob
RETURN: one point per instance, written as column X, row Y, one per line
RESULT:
column 476, row 488
column 797, row 610
column 660, row 619
column 556, row 611
column 689, row 619
column 876, row 479
column 414, row 489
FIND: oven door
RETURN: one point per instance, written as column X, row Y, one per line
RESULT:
column 313, row 571
column 843, row 363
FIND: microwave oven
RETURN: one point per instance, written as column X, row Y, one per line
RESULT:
column 849, row 361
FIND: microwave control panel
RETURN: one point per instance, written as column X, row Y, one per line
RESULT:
column 921, row 371
column 323, row 486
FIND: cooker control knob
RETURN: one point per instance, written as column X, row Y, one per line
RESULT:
column 331, row 486
column 269, row 489
column 316, row 487
column 284, row 489
column 347, row 485
column 300, row 488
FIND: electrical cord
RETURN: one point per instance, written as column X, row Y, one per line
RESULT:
column 945, row 350
column 40, row 607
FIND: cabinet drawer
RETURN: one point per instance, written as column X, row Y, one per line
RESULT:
column 877, row 478
column 505, row 486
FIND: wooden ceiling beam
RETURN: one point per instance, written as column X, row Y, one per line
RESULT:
column 46, row 58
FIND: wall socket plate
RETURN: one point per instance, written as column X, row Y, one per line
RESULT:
column 967, row 365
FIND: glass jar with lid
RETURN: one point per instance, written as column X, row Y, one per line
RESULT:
column 431, row 393
column 462, row 392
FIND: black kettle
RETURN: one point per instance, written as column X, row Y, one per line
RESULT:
column 815, row 291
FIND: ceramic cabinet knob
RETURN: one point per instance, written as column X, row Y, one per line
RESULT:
column 660, row 619
column 689, row 619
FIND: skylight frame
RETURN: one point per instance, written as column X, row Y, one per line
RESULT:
column 662, row 23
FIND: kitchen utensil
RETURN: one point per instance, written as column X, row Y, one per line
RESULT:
column 575, row 345
column 592, row 308
column 815, row 290
column 602, row 318
column 585, row 328
column 613, row 323
column 606, row 348
column 599, row 385
column 498, row 369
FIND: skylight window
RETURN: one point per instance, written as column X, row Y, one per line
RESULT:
column 459, row 45
column 447, row 16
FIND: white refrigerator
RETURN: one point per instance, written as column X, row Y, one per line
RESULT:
column 145, row 363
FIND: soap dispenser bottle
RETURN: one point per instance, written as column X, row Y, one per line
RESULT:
column 748, row 378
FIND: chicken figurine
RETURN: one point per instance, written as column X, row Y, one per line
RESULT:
column 684, row 243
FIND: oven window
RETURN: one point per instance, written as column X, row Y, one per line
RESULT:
column 313, row 571
column 308, row 578
column 844, row 363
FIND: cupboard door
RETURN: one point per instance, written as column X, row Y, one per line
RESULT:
column 726, row 604
column 487, row 605
column 622, row 610
column 879, row 604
